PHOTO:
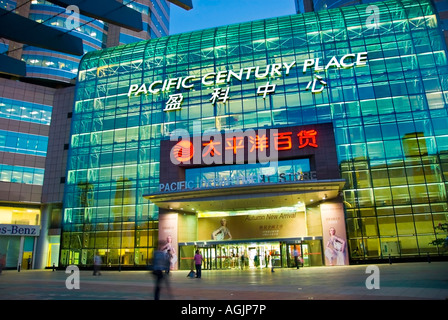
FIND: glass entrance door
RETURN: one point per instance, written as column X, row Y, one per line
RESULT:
column 310, row 252
column 257, row 255
column 293, row 255
column 305, row 255
column 247, row 256
column 209, row 256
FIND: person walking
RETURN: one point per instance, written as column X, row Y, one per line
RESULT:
column 161, row 266
column 97, row 264
column 198, row 263
column 296, row 257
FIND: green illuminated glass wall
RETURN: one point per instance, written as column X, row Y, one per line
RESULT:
column 390, row 121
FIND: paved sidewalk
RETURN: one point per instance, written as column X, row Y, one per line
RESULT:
column 399, row 281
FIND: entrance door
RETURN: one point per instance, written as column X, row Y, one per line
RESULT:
column 209, row 256
column 261, row 255
column 27, row 259
column 305, row 255
column 291, row 260
column 256, row 255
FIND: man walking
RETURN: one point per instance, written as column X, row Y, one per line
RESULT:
column 296, row 257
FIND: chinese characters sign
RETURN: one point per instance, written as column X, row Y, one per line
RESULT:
column 243, row 146
column 261, row 148
column 219, row 81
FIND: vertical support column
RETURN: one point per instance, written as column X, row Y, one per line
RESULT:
column 20, row 258
column 41, row 242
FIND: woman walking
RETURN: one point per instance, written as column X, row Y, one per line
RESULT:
column 198, row 263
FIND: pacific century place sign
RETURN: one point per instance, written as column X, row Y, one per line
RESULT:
column 226, row 76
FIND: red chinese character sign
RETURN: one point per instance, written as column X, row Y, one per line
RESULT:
column 283, row 141
column 307, row 138
column 315, row 142
column 244, row 146
column 183, row 151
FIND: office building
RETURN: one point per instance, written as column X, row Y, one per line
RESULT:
column 302, row 6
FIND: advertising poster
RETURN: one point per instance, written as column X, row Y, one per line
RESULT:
column 333, row 234
column 168, row 236
column 260, row 226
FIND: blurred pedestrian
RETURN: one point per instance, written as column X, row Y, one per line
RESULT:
column 198, row 263
column 296, row 257
column 243, row 261
column 161, row 270
column 2, row 261
column 97, row 264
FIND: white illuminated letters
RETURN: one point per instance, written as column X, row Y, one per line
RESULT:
column 226, row 77
column 347, row 61
column 211, row 79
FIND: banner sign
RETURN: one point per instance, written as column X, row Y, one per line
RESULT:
column 260, row 226
column 334, row 234
column 19, row 230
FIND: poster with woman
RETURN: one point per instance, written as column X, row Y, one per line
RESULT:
column 169, row 249
column 334, row 234
column 255, row 226
column 222, row 232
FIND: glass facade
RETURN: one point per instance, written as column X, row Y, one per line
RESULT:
column 389, row 116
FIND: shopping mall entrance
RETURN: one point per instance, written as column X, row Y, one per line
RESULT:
column 254, row 227
column 253, row 254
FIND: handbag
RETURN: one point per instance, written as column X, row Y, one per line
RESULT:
column 191, row 274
